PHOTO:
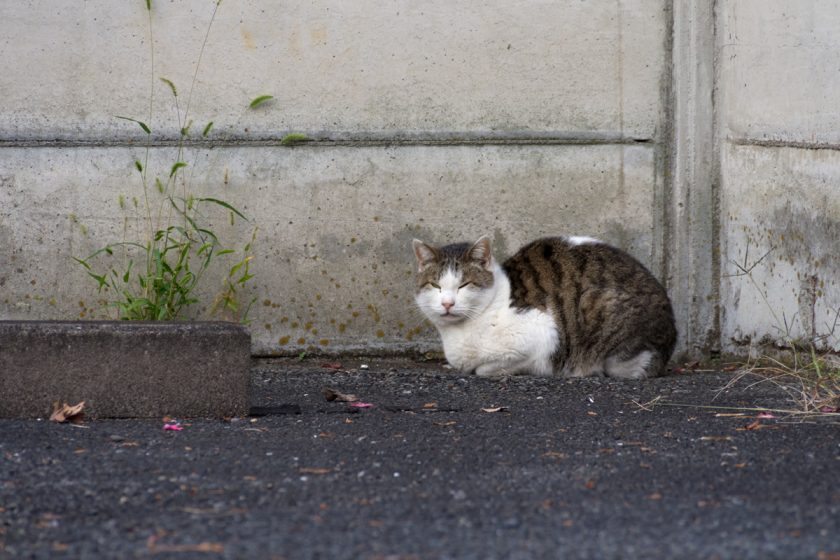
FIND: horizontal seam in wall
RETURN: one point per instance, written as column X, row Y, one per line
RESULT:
column 765, row 143
column 331, row 142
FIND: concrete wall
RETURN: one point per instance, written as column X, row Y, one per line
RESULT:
column 439, row 120
column 697, row 135
column 780, row 171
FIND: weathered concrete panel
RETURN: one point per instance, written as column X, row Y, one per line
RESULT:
column 779, row 74
column 781, row 222
column 361, row 67
column 333, row 260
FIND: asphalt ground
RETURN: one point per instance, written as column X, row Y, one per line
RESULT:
column 440, row 466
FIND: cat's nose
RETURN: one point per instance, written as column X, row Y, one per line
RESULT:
column 447, row 305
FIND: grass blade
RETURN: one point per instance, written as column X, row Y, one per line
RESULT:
column 259, row 101
column 175, row 167
column 171, row 86
column 293, row 138
column 223, row 204
column 143, row 125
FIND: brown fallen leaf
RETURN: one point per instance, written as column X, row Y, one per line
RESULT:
column 200, row 547
column 590, row 484
column 655, row 496
column 333, row 395
column 314, row 470
column 754, row 425
column 555, row 455
column 430, row 405
column 65, row 413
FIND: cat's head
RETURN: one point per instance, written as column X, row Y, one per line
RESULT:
column 454, row 282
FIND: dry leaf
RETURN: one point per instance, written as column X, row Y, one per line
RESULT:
column 591, row 413
column 716, row 438
column 66, row 413
column 333, row 395
column 449, row 423
column 200, row 547
column 331, row 365
column 494, row 409
column 655, row 496
column 590, row 484
column 430, row 405
column 314, row 470
column 555, row 455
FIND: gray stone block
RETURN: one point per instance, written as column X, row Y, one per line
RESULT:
column 124, row 369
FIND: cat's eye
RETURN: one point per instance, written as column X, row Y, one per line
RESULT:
column 465, row 284
column 433, row 285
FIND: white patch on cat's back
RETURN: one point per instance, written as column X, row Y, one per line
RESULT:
column 581, row 240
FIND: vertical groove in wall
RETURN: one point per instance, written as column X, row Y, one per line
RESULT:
column 717, row 249
column 694, row 265
column 664, row 160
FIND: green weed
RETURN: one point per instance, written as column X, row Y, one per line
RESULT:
column 157, row 275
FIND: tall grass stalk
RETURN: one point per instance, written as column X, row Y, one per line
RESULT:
column 178, row 245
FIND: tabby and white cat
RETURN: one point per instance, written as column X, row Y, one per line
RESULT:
column 570, row 306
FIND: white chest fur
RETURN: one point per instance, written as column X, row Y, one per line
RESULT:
column 499, row 340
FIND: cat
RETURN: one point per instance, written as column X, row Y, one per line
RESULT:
column 567, row 306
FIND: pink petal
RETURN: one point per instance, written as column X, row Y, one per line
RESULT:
column 361, row 405
column 829, row 409
column 765, row 415
column 173, row 427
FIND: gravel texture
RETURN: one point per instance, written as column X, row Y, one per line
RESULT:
column 551, row 468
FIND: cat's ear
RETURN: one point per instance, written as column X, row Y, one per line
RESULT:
column 426, row 254
column 480, row 252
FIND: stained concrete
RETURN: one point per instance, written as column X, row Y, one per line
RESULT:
column 779, row 170
column 124, row 369
column 333, row 262
column 645, row 122
column 554, row 67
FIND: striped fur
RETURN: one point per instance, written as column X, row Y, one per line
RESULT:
column 564, row 306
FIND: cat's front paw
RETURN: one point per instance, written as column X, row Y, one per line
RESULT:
column 492, row 371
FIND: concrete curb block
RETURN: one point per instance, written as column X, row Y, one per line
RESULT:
column 124, row 369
